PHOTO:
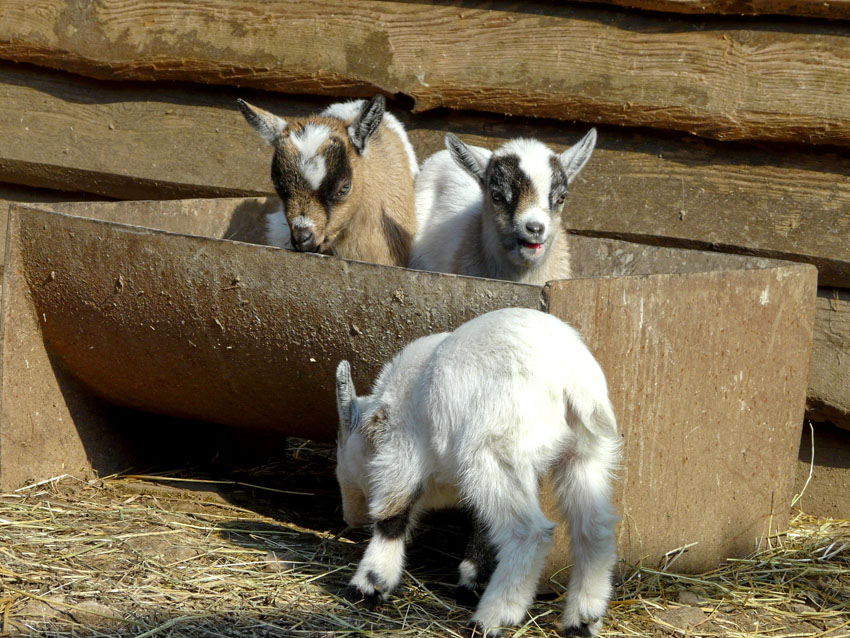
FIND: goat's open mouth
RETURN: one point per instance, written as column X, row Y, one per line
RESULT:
column 535, row 249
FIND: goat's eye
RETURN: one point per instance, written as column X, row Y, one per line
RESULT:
column 497, row 196
column 559, row 199
column 343, row 190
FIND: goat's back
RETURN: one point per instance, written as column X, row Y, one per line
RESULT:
column 448, row 214
column 503, row 382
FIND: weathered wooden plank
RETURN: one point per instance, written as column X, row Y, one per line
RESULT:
column 829, row 380
column 128, row 142
column 826, row 492
column 143, row 142
column 832, row 10
column 720, row 79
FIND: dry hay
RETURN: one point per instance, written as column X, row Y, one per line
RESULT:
column 165, row 556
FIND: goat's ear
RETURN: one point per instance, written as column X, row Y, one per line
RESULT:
column 573, row 159
column 269, row 126
column 367, row 122
column 465, row 157
column 346, row 398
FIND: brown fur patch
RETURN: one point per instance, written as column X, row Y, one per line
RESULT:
column 375, row 425
column 398, row 239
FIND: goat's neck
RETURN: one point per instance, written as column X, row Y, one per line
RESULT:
column 373, row 234
column 358, row 236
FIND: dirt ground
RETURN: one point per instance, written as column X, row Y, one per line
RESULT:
column 267, row 554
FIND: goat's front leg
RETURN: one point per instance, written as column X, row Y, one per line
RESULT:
column 379, row 573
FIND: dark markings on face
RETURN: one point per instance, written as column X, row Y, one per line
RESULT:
column 559, row 189
column 510, row 189
column 286, row 178
column 336, row 186
column 511, row 192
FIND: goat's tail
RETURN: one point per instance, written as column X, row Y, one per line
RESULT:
column 590, row 410
column 591, row 417
column 603, row 419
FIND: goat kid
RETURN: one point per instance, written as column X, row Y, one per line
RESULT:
column 476, row 417
column 496, row 214
column 345, row 180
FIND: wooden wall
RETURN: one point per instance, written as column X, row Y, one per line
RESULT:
column 717, row 131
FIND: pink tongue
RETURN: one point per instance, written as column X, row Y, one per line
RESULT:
column 535, row 247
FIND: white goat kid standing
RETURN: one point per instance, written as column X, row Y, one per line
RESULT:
column 476, row 417
column 345, row 179
column 496, row 214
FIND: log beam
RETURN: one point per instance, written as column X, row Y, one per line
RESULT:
column 715, row 78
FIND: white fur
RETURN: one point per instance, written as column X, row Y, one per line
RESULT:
column 448, row 202
column 468, row 572
column 303, row 223
column 311, row 164
column 395, row 125
column 484, row 412
column 384, row 558
column 456, row 232
column 345, row 111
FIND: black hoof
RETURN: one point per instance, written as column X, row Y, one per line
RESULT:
column 479, row 631
column 467, row 595
column 581, row 630
column 355, row 595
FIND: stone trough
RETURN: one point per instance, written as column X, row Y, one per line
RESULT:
column 152, row 306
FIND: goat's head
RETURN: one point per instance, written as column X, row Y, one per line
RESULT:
column 317, row 167
column 352, row 450
column 524, row 186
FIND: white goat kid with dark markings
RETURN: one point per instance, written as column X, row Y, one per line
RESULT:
column 496, row 214
column 345, row 180
column 475, row 418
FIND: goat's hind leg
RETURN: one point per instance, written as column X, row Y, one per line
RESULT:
column 508, row 506
column 380, row 570
column 584, row 491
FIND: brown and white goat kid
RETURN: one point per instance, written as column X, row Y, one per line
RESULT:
column 477, row 417
column 345, row 179
column 496, row 214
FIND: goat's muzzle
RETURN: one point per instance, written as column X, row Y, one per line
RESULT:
column 305, row 241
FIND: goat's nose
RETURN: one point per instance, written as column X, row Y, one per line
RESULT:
column 535, row 228
column 303, row 240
